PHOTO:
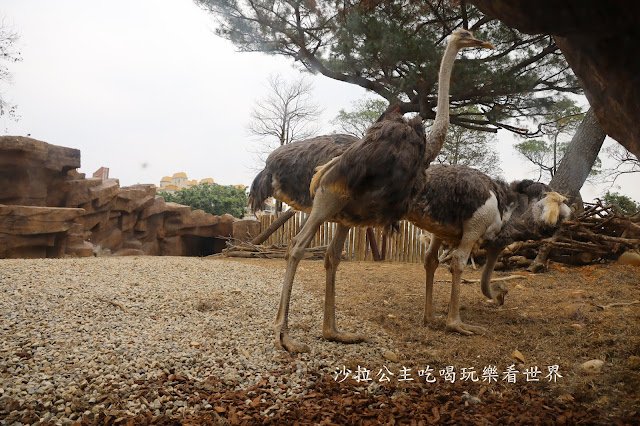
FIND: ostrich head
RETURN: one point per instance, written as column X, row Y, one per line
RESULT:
column 464, row 38
column 551, row 210
column 544, row 212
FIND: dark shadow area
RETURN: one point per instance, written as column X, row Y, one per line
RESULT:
column 202, row 246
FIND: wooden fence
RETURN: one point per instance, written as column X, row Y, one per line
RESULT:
column 402, row 246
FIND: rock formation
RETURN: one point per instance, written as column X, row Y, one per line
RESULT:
column 598, row 39
column 48, row 209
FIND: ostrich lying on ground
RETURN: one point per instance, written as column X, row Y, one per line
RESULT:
column 370, row 184
column 462, row 206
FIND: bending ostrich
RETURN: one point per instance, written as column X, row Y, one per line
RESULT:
column 289, row 169
column 370, row 184
column 462, row 206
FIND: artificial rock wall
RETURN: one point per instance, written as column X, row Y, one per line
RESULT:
column 48, row 209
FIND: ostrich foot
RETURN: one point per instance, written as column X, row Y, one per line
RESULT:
column 342, row 336
column 466, row 329
column 429, row 319
column 285, row 342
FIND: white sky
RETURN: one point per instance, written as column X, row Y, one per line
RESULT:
column 146, row 88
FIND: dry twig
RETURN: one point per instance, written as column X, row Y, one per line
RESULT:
column 615, row 305
column 113, row 302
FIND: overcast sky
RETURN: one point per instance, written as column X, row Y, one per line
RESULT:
column 146, row 88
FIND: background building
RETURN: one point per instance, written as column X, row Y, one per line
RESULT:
column 178, row 182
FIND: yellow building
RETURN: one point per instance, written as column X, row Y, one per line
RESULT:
column 180, row 181
column 174, row 183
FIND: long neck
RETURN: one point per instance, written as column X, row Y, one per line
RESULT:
column 438, row 131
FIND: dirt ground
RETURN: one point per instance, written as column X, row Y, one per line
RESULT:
column 564, row 317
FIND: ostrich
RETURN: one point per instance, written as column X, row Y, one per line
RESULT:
column 289, row 169
column 461, row 206
column 370, row 184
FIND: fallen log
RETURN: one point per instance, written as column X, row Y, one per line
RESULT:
column 262, row 237
column 248, row 250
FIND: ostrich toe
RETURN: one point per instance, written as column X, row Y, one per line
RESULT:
column 285, row 342
column 343, row 336
column 466, row 329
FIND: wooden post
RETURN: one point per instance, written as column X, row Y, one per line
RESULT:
column 374, row 245
column 384, row 246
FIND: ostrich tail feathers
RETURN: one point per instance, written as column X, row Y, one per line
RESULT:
column 319, row 177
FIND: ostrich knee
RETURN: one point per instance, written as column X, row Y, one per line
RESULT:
column 458, row 262
column 295, row 251
column 331, row 261
column 431, row 262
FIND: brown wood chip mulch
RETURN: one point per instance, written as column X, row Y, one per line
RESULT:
column 333, row 403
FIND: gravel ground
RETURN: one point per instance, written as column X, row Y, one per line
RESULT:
column 80, row 337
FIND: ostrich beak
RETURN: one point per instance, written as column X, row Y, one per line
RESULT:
column 474, row 42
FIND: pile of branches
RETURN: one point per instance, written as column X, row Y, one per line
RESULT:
column 599, row 234
column 237, row 248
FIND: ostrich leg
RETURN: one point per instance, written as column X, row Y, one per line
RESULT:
column 458, row 262
column 497, row 291
column 325, row 205
column 331, row 262
column 430, row 265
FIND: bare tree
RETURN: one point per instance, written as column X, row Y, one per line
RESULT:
column 8, row 54
column 626, row 162
column 286, row 114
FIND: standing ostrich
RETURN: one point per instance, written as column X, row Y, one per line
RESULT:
column 370, row 184
column 461, row 206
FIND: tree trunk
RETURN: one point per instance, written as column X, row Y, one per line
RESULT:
column 579, row 159
column 573, row 172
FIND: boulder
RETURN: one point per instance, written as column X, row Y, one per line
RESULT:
column 158, row 206
column 136, row 197
column 78, row 191
column 28, row 231
column 105, row 192
column 190, row 222
column 225, row 226
column 33, row 173
column 629, row 258
column 246, row 229
column 128, row 221
column 83, row 249
column 172, row 246
column 30, row 220
column 129, row 252
column 52, row 210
